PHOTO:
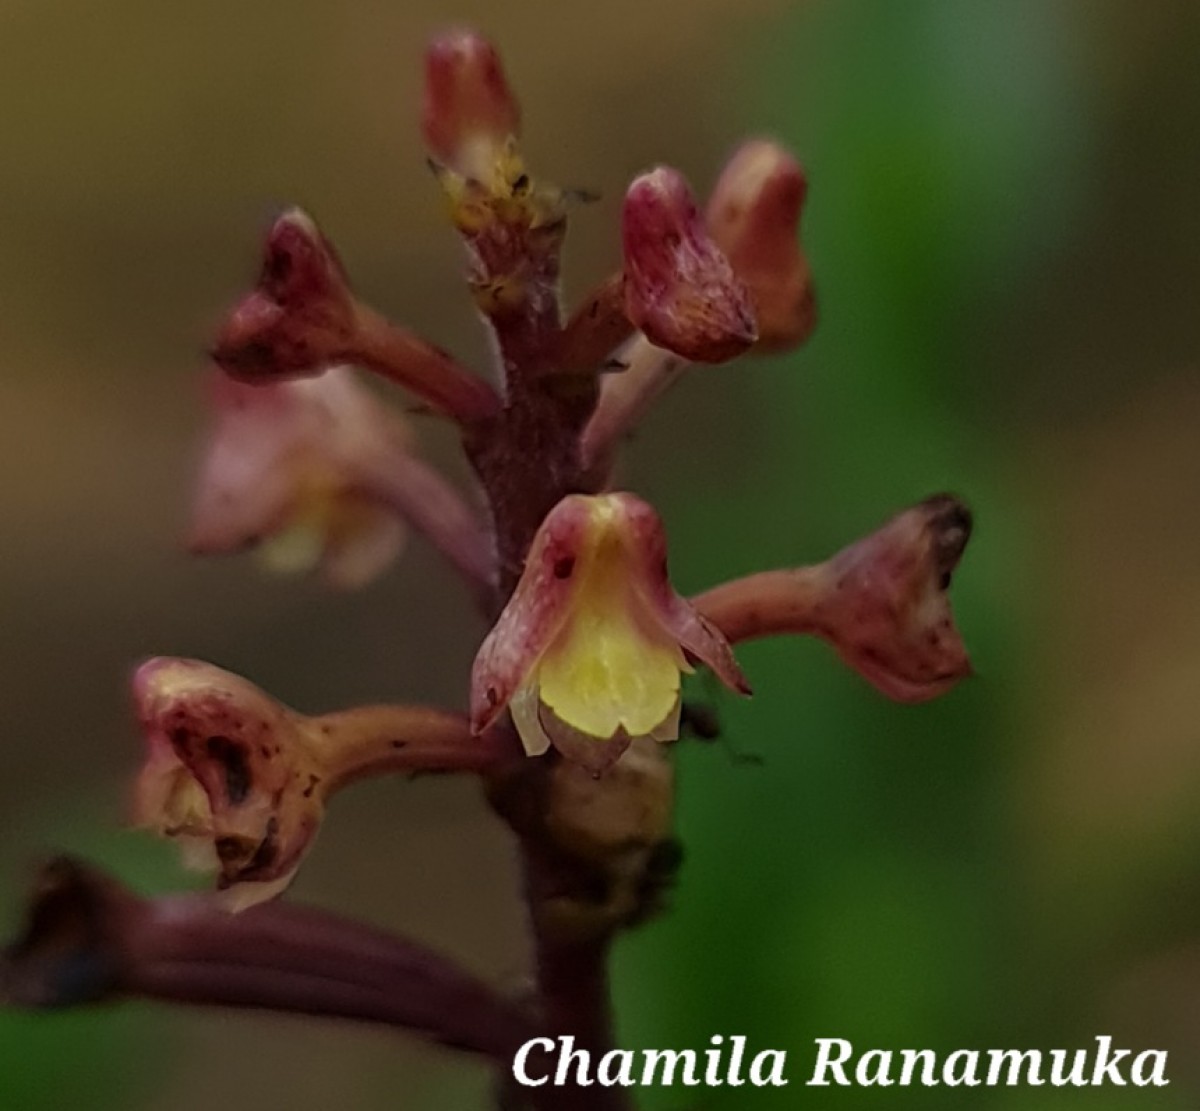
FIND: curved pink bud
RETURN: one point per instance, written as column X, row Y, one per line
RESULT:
column 300, row 318
column 887, row 611
column 468, row 112
column 680, row 290
column 754, row 217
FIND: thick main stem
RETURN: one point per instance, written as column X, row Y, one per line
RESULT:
column 528, row 459
column 574, row 985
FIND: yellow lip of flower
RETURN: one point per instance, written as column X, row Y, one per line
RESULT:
column 610, row 668
column 589, row 652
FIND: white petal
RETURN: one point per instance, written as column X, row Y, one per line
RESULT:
column 524, row 708
column 243, row 896
column 669, row 729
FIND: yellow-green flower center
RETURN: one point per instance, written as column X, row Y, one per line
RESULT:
column 612, row 667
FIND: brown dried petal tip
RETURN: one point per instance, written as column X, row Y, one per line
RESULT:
column 754, row 217
column 888, row 613
column 300, row 319
column 679, row 288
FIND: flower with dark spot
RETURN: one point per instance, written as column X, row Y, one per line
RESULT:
column 230, row 774
column 589, row 652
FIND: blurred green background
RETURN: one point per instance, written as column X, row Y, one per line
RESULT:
column 1004, row 226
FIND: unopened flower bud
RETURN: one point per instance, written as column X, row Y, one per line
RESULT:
column 680, row 290
column 754, row 217
column 287, row 470
column 588, row 652
column 300, row 318
column 469, row 114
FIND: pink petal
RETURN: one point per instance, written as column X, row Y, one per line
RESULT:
column 754, row 217
column 244, row 487
column 679, row 288
column 269, row 443
column 646, row 542
column 535, row 613
column 467, row 100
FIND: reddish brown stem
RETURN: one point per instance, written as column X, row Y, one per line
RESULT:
column 87, row 939
column 596, row 329
column 376, row 740
column 574, row 986
column 427, row 371
column 770, row 603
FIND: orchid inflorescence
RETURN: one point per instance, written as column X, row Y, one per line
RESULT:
column 576, row 691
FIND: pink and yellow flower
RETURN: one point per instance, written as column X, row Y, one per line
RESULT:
column 230, row 774
column 290, row 469
column 589, row 652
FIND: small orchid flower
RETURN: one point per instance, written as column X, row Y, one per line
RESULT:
column 229, row 774
column 241, row 781
column 589, row 651
column 882, row 602
column 289, row 469
column 300, row 318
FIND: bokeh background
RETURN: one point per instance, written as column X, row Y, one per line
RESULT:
column 1004, row 225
